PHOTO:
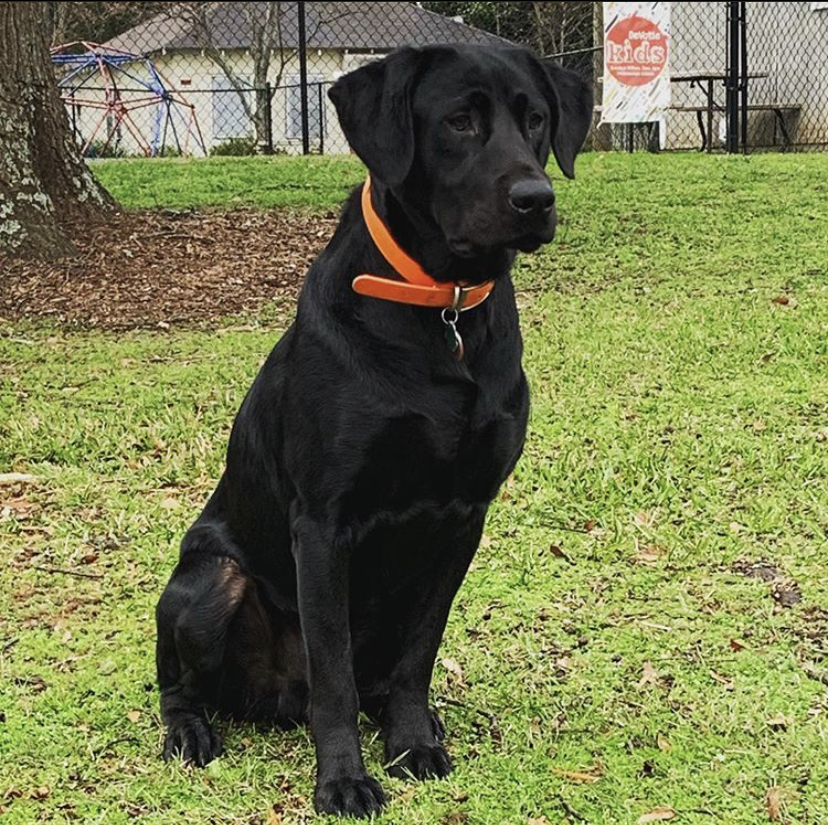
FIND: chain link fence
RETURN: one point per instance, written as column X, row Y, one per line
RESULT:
column 202, row 78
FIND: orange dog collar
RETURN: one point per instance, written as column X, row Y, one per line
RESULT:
column 418, row 287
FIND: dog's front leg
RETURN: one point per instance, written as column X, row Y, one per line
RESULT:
column 342, row 784
column 412, row 731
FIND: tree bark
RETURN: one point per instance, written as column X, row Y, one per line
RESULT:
column 44, row 182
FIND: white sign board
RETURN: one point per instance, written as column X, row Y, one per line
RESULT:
column 636, row 62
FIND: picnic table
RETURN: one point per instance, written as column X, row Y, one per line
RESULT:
column 706, row 81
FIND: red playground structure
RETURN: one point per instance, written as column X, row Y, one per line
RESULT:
column 103, row 89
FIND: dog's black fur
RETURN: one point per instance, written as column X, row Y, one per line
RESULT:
column 318, row 579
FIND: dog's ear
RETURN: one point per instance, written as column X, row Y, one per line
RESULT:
column 570, row 96
column 374, row 108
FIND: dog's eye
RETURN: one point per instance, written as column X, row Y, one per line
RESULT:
column 535, row 121
column 461, row 123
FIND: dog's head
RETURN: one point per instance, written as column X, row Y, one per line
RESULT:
column 463, row 134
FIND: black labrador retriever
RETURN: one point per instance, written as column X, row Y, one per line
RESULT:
column 318, row 579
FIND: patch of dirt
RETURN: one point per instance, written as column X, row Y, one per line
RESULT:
column 785, row 592
column 157, row 268
column 762, row 570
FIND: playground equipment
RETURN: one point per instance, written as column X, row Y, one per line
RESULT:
column 95, row 79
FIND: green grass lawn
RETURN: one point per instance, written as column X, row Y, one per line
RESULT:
column 607, row 654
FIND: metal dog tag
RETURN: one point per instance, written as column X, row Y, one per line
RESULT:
column 453, row 338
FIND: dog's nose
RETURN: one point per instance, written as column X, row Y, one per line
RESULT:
column 531, row 196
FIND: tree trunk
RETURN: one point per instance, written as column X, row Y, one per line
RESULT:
column 44, row 182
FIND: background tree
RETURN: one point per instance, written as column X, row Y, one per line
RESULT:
column 271, row 29
column 44, row 183
column 548, row 28
column 96, row 21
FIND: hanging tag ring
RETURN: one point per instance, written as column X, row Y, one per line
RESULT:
column 454, row 340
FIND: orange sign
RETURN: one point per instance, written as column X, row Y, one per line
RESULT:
column 635, row 50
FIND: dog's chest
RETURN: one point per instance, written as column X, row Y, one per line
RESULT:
column 459, row 449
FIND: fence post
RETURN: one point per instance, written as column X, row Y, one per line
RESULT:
column 303, row 79
column 321, row 119
column 268, row 102
column 743, row 69
column 732, row 77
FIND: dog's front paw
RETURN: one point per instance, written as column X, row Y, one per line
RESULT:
column 421, row 762
column 193, row 739
column 350, row 796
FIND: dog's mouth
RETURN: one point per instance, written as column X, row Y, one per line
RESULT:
column 530, row 242
column 464, row 248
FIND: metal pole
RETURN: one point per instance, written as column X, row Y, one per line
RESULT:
column 268, row 103
column 732, row 77
column 743, row 68
column 303, row 79
column 321, row 119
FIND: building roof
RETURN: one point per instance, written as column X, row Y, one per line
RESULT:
column 358, row 26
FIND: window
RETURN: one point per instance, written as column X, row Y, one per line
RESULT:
column 229, row 118
column 317, row 99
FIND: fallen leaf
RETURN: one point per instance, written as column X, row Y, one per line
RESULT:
column 649, row 677
column 584, row 777
column 778, row 722
column 21, row 508
column 735, row 527
column 783, row 300
column 17, row 478
column 13, row 793
column 455, row 670
column 773, row 803
column 663, row 743
column 759, row 426
column 538, row 820
column 737, row 644
column 659, row 814
column 274, row 817
column 648, row 555
column 557, row 552
column 40, row 793
column 89, row 558
column 590, row 525
column 134, row 716
column 485, row 541
column 169, row 503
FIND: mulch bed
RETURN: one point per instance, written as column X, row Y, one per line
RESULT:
column 162, row 268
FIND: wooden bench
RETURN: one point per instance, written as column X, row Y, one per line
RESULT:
column 779, row 110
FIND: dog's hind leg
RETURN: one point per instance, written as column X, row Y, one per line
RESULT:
column 193, row 617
